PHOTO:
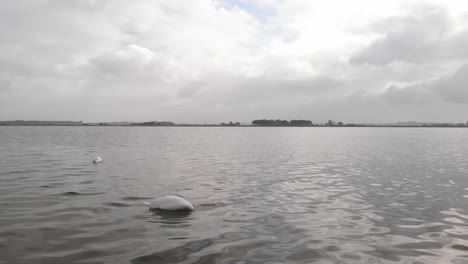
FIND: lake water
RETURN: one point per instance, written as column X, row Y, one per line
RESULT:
column 262, row 195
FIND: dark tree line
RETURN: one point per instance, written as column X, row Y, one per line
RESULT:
column 230, row 124
column 278, row 122
column 153, row 123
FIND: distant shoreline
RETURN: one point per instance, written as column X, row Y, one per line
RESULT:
column 251, row 126
column 254, row 123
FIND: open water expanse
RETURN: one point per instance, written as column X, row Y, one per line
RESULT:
column 262, row 195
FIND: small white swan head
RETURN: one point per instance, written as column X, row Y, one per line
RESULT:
column 97, row 160
column 171, row 203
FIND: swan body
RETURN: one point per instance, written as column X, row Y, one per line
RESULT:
column 97, row 160
column 171, row 203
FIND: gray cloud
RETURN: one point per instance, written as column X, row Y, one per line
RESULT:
column 233, row 90
column 5, row 83
column 415, row 95
column 129, row 60
column 424, row 35
column 451, row 89
column 455, row 88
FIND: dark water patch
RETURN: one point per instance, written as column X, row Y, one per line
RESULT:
column 308, row 254
column 82, row 256
column 379, row 230
column 332, row 248
column 71, row 193
column 257, row 251
column 73, row 174
column 87, row 182
column 20, row 172
column 178, row 238
column 295, row 209
column 135, row 198
column 87, row 172
column 294, row 231
column 42, row 233
column 175, row 255
column 355, row 217
column 82, row 210
column 386, row 254
column 116, row 204
column 420, row 245
column 53, row 160
column 209, row 206
column 436, row 235
column 16, row 179
column 52, row 185
column 171, row 225
column 350, row 256
column 54, row 245
column 87, row 254
column 75, row 193
column 10, row 234
column 115, row 235
column 460, row 247
column 37, row 154
column 215, row 258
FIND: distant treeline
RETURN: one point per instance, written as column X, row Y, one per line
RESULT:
column 230, row 124
column 260, row 122
column 278, row 122
column 154, row 123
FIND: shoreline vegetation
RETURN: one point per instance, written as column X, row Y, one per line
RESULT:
column 254, row 123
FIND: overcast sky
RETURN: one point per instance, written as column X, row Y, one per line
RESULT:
column 210, row 61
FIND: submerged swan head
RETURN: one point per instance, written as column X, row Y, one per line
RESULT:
column 97, row 160
column 170, row 202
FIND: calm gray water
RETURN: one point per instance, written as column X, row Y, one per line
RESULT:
column 262, row 195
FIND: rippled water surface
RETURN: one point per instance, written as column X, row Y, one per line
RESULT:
column 262, row 195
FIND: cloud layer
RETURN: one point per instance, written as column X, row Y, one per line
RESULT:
column 220, row 60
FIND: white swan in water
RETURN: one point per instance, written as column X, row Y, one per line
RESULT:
column 170, row 202
column 97, row 160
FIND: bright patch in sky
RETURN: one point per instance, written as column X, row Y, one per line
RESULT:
column 260, row 11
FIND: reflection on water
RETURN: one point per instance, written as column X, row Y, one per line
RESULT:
column 262, row 195
column 172, row 215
